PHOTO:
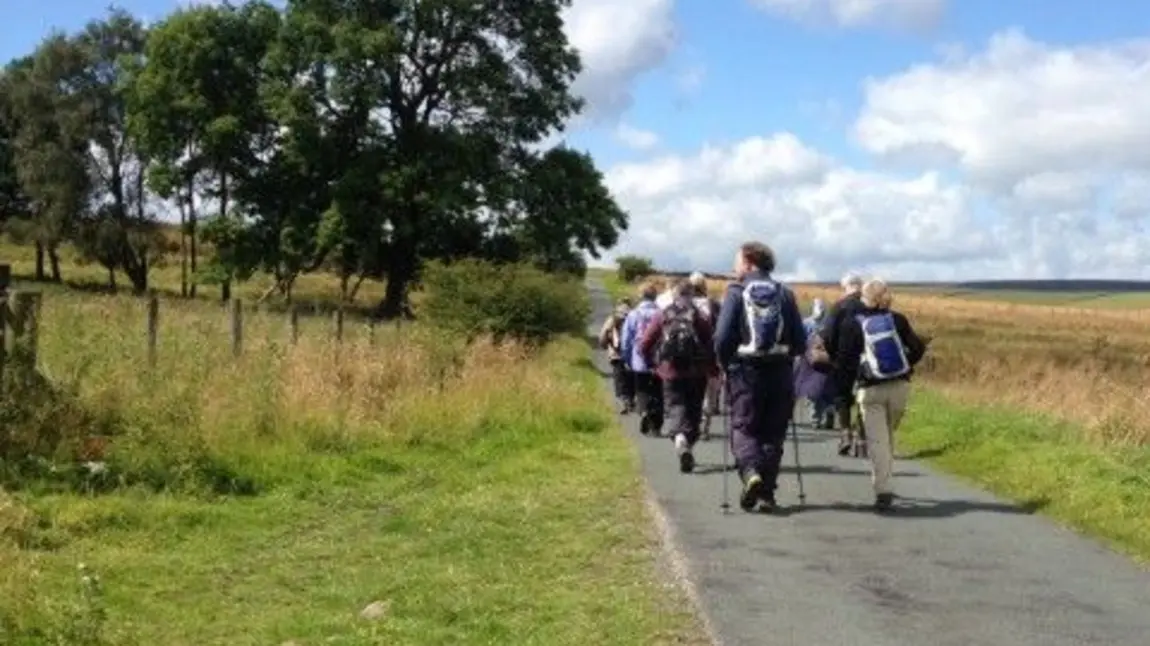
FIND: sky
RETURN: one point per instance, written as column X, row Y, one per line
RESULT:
column 911, row 139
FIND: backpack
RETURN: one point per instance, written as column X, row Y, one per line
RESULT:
column 884, row 357
column 680, row 345
column 643, row 320
column 763, row 324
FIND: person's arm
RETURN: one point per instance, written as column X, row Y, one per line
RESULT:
column 727, row 331
column 915, row 348
column 605, row 332
column 706, row 334
column 830, row 329
column 650, row 339
column 793, row 324
column 851, row 344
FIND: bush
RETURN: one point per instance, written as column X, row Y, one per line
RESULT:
column 473, row 298
column 632, row 268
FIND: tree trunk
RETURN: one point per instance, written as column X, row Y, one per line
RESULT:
column 54, row 259
column 183, row 247
column 40, row 276
column 400, row 272
column 192, row 222
column 226, row 290
column 111, row 278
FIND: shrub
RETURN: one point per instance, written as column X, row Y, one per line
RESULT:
column 632, row 268
column 473, row 298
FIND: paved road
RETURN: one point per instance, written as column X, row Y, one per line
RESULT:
column 952, row 567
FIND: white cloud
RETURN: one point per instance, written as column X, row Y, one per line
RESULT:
column 636, row 138
column 618, row 41
column 914, row 14
column 1020, row 160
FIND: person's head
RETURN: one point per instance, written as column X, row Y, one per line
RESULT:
column 625, row 302
column 754, row 256
column 851, row 283
column 682, row 289
column 818, row 309
column 699, row 282
column 876, row 294
column 648, row 290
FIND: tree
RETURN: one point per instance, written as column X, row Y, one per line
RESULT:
column 49, row 146
column 13, row 201
column 566, row 211
column 423, row 105
column 196, row 109
column 119, row 231
column 632, row 268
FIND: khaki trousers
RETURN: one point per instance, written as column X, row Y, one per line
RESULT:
column 882, row 407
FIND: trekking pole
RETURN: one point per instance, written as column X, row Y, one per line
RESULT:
column 798, row 463
column 726, row 505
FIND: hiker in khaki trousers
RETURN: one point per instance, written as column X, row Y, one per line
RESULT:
column 887, row 350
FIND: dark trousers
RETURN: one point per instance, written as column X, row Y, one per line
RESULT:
column 624, row 381
column 649, row 399
column 761, row 400
column 683, row 405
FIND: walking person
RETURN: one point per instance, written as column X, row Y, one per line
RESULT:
column 886, row 349
column 760, row 332
column 679, row 343
column 709, row 308
column 810, row 374
column 844, row 368
column 611, row 340
column 648, row 387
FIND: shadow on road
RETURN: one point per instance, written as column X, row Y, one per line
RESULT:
column 924, row 454
column 929, row 508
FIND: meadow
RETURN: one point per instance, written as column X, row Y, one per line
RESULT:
column 401, row 487
column 1034, row 398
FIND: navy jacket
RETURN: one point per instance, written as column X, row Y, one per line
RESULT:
column 731, row 329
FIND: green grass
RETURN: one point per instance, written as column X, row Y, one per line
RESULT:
column 511, row 516
column 1100, row 491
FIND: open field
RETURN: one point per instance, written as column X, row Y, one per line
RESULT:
column 480, row 494
column 1033, row 401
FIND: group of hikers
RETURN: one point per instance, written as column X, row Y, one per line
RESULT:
column 677, row 350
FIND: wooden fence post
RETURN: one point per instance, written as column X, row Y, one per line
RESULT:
column 25, row 321
column 293, row 323
column 371, row 331
column 237, row 316
column 153, row 327
column 339, row 324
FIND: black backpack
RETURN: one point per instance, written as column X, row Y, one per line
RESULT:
column 681, row 345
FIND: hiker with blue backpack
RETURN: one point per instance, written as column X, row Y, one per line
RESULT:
column 759, row 333
column 679, row 343
column 648, row 386
column 881, row 342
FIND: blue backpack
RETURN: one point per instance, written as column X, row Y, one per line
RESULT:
column 764, row 323
column 884, row 357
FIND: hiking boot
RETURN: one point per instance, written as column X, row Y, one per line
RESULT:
column 624, row 407
column 686, row 458
column 859, row 450
column 767, row 504
column 845, row 445
column 645, row 424
column 884, row 502
column 754, row 490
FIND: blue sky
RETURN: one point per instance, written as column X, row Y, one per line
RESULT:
column 836, row 177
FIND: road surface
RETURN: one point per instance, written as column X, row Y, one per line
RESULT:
column 951, row 567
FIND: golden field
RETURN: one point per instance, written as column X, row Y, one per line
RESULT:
column 1087, row 365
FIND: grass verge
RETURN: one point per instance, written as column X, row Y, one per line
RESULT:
column 1098, row 490
column 503, row 509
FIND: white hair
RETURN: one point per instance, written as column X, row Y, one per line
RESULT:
column 697, row 279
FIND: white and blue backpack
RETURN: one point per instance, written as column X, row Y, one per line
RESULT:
column 764, row 324
column 884, row 357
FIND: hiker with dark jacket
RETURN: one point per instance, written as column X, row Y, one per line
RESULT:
column 611, row 340
column 709, row 307
column 760, row 332
column 648, row 387
column 881, row 342
column 844, row 369
column 679, row 343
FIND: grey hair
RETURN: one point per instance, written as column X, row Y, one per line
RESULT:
column 876, row 293
column 851, row 282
